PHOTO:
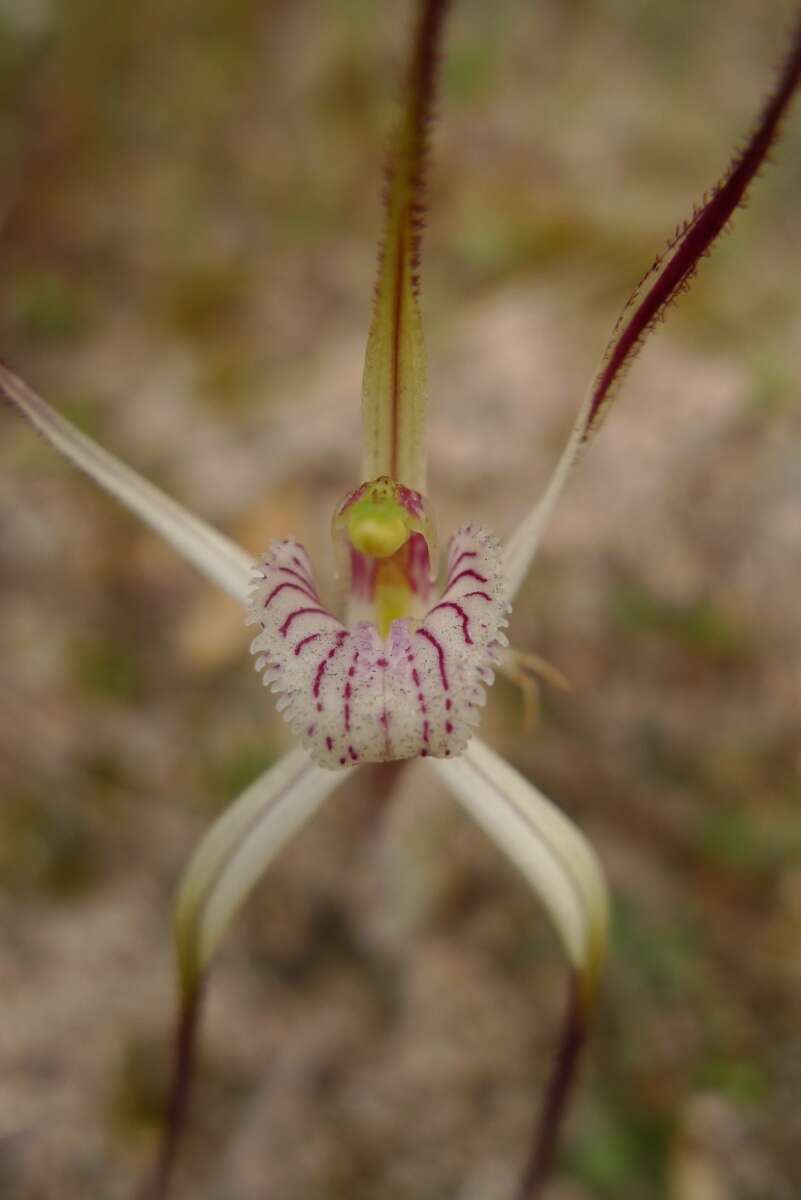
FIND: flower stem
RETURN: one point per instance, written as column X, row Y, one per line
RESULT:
column 555, row 1106
column 184, row 1061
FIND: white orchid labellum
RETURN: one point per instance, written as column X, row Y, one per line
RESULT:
column 401, row 684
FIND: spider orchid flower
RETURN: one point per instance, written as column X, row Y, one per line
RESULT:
column 401, row 673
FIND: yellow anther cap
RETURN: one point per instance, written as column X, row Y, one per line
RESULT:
column 378, row 528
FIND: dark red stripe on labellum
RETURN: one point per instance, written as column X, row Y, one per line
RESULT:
column 302, row 612
column 280, row 587
column 443, row 674
column 469, row 573
column 304, row 579
column 311, row 637
column 673, row 272
column 461, row 614
column 465, row 554
column 323, row 666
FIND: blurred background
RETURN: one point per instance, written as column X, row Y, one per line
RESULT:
column 189, row 205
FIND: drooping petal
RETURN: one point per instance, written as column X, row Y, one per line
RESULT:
column 352, row 696
column 395, row 373
column 236, row 851
column 211, row 552
column 545, row 846
column 669, row 276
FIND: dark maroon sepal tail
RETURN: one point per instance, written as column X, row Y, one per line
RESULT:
column 672, row 272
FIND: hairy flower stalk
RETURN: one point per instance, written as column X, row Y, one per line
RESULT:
column 402, row 672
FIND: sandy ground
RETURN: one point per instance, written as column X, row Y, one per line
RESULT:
column 188, row 227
